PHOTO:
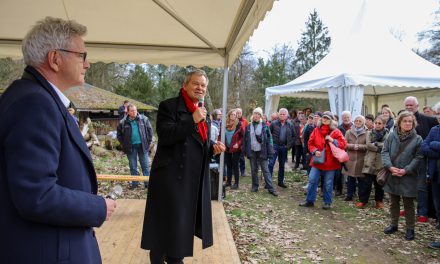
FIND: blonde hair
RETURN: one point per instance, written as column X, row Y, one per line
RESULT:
column 388, row 110
column 231, row 124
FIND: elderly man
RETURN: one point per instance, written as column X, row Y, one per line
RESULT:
column 217, row 118
column 424, row 125
column 282, row 134
column 135, row 135
column 48, row 184
column 179, row 200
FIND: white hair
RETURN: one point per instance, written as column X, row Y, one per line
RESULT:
column 412, row 98
column 346, row 113
column 361, row 117
column 283, row 109
column 436, row 108
column 49, row 34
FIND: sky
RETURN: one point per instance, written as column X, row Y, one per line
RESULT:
column 286, row 21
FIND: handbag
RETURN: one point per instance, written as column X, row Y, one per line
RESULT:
column 340, row 154
column 384, row 173
column 382, row 176
column 320, row 159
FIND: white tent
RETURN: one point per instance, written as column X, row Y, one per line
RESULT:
column 182, row 32
column 371, row 65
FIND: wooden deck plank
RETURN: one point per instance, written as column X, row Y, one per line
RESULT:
column 119, row 238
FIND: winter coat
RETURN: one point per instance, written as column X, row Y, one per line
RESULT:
column 296, row 124
column 424, row 124
column 266, row 151
column 48, row 183
column 431, row 150
column 373, row 158
column 237, row 138
column 179, row 199
column 275, row 128
column 356, row 163
column 145, row 131
column 307, row 131
column 406, row 185
column 317, row 142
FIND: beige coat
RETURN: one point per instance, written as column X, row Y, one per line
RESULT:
column 356, row 162
column 373, row 159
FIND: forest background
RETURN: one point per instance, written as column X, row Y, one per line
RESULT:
column 248, row 76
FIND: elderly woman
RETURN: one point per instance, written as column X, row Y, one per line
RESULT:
column 401, row 155
column 326, row 131
column 373, row 163
column 389, row 118
column 234, row 137
column 356, row 148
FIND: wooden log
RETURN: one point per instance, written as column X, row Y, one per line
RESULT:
column 110, row 177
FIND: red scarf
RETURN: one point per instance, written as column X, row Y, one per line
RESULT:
column 325, row 129
column 202, row 128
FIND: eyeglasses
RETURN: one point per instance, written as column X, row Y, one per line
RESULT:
column 83, row 54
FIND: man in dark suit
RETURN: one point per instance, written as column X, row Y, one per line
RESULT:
column 48, row 201
column 179, row 200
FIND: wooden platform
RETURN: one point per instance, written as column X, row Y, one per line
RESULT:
column 119, row 238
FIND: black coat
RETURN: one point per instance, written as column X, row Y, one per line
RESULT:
column 48, row 201
column 179, row 200
column 424, row 124
column 275, row 128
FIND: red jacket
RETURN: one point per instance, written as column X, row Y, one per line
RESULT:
column 317, row 141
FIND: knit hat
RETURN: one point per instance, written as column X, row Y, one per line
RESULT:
column 258, row 110
column 328, row 114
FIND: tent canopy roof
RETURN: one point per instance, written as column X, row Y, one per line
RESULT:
column 369, row 57
column 196, row 32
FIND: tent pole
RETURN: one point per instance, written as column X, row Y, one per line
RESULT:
column 222, row 136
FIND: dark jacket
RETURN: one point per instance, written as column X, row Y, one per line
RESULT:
column 405, row 186
column 296, row 126
column 121, row 112
column 266, row 142
column 179, row 200
column 275, row 128
column 431, row 149
column 424, row 124
column 48, row 184
column 306, row 136
column 145, row 131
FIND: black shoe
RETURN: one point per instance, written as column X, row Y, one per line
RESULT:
column 348, row 199
column 274, row 193
column 409, row 235
column 234, row 187
column 265, row 186
column 390, row 230
column 327, row 206
column 306, row 204
column 254, row 190
column 282, row 185
column 146, row 185
column 434, row 245
column 228, row 184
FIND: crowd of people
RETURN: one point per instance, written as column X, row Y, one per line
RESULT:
column 405, row 146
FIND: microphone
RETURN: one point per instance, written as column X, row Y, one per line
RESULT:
column 201, row 101
column 115, row 192
column 200, row 104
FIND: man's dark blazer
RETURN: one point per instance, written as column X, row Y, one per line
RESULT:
column 48, row 201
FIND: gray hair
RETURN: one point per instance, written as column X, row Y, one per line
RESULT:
column 48, row 34
column 283, row 109
column 436, row 108
column 346, row 113
column 412, row 98
column 197, row 72
column 361, row 117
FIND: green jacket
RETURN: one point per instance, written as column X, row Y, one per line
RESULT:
column 406, row 185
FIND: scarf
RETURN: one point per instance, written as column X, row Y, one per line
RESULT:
column 202, row 129
column 325, row 129
column 358, row 130
column 377, row 136
column 346, row 126
column 405, row 135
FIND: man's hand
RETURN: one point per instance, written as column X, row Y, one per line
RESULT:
column 199, row 115
column 111, row 207
column 219, row 147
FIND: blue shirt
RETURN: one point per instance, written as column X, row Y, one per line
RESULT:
column 229, row 134
column 135, row 135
